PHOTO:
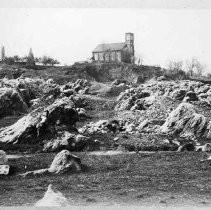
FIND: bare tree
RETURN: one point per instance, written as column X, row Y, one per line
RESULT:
column 194, row 67
column 175, row 66
column 139, row 59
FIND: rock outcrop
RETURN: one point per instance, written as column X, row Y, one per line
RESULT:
column 186, row 123
column 42, row 123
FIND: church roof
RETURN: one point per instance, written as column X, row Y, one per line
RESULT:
column 109, row 47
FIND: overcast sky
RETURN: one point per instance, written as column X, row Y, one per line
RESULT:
column 71, row 34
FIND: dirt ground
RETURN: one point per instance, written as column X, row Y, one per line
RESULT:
column 162, row 179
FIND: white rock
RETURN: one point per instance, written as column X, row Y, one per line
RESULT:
column 3, row 157
column 65, row 161
column 4, row 169
column 52, row 197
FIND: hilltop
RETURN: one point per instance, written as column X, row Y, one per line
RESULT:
column 100, row 72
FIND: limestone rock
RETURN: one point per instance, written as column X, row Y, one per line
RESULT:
column 185, row 122
column 65, row 161
column 52, row 197
column 11, row 102
column 69, row 141
column 4, row 169
column 3, row 157
column 204, row 148
column 40, row 123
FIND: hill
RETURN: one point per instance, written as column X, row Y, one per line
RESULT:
column 100, row 72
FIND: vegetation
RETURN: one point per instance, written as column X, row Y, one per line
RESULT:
column 29, row 60
column 46, row 60
column 179, row 71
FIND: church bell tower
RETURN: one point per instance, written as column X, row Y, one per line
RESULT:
column 129, row 40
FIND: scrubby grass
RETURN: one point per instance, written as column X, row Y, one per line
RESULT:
column 144, row 179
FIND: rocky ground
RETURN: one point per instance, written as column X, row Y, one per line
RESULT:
column 40, row 115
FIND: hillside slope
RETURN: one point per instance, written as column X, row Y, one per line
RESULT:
column 100, row 72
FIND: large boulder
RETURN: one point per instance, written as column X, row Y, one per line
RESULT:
column 185, row 122
column 11, row 102
column 41, row 124
column 63, row 162
column 52, row 197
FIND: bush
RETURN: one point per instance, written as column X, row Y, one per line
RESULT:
column 175, row 75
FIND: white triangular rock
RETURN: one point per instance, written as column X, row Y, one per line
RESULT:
column 52, row 197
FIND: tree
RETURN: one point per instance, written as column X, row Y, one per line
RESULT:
column 175, row 70
column 45, row 60
column 194, row 67
column 175, row 66
column 9, row 60
column 30, row 58
column 2, row 53
column 209, row 75
column 53, row 62
column 16, row 58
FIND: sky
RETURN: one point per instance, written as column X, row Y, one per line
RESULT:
column 70, row 35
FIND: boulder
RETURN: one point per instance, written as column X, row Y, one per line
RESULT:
column 64, row 162
column 41, row 123
column 4, row 169
column 179, row 94
column 69, row 141
column 185, row 122
column 3, row 157
column 190, row 96
column 132, row 99
column 52, row 197
column 204, row 148
column 11, row 102
column 61, row 142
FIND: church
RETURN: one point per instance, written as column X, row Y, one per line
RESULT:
column 116, row 52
